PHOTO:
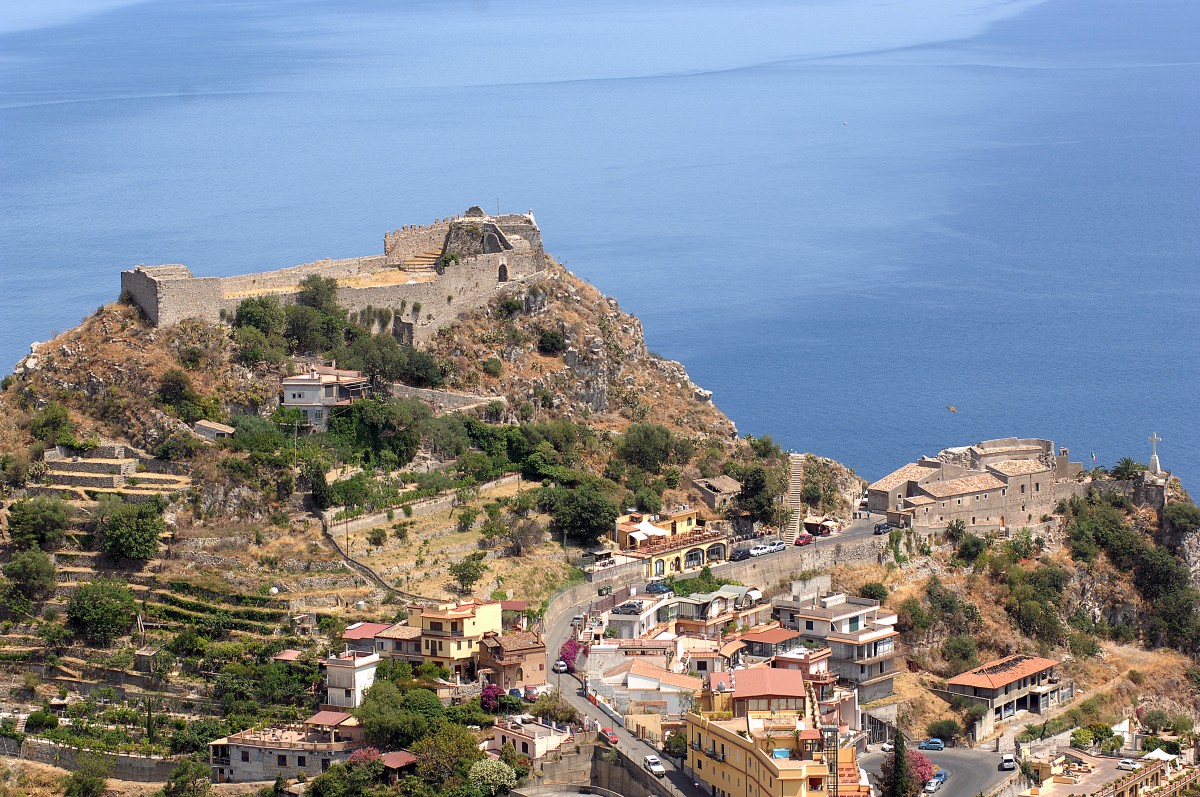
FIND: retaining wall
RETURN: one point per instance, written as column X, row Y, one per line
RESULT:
column 126, row 766
column 442, row 400
column 426, row 506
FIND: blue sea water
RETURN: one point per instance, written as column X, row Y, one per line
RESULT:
column 841, row 216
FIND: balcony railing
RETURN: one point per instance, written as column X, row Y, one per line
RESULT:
column 696, row 746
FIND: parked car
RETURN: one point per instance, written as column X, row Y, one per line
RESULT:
column 654, row 766
column 932, row 744
column 517, row 693
column 740, row 555
column 560, row 666
column 883, row 528
column 760, row 550
column 933, row 785
column 628, row 607
column 804, row 539
column 657, row 588
column 1129, row 765
column 609, row 736
column 577, row 620
column 887, row 747
column 1008, row 761
column 776, row 547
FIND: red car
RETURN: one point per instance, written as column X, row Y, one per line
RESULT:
column 608, row 735
column 804, row 539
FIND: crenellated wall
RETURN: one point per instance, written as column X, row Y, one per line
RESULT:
column 416, row 270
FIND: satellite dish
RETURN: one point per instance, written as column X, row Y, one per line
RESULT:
column 721, row 687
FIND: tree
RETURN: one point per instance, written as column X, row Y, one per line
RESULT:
column 263, row 313
column 102, row 609
column 32, row 571
column 319, row 293
column 960, row 653
column 648, row 446
column 1127, row 468
column 191, row 777
column 467, row 517
column 132, row 531
column 492, row 777
column 175, row 387
column 896, row 779
column 554, row 707
column 1155, row 720
column 1182, row 516
column 584, row 514
column 37, row 521
column 676, row 744
column 450, row 750
column 50, row 422
column 89, row 777
column 386, row 721
column 970, row 546
column 467, row 572
column 874, row 590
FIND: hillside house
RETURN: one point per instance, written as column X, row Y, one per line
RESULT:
column 719, row 491
column 534, row 738
column 861, row 636
column 451, row 633
column 643, row 686
column 321, row 388
column 347, row 677
column 1012, row 684
column 361, row 636
column 311, row 747
column 707, row 614
column 400, row 641
column 514, row 660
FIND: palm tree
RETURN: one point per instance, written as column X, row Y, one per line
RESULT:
column 1127, row 468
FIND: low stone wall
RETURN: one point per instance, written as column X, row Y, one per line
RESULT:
column 151, row 465
column 142, row 769
column 630, row 778
column 70, row 465
column 443, row 400
column 781, row 568
column 573, row 766
column 426, row 506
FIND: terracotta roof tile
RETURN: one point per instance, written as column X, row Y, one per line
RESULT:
column 963, row 486
column 913, row 471
column 996, row 674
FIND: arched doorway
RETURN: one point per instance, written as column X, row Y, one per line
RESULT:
column 502, row 273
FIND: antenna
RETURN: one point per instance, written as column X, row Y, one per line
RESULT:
column 497, row 206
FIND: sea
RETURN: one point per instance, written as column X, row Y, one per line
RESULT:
column 874, row 228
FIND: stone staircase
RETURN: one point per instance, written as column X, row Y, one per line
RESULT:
column 422, row 263
column 793, row 502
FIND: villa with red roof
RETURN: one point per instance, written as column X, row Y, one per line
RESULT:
column 1012, row 684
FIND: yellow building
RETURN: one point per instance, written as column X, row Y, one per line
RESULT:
column 778, row 755
column 451, row 633
column 672, row 542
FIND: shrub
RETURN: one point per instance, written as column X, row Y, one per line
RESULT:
column 40, row 720
column 970, row 547
column 551, row 342
column 492, row 366
column 949, row 730
column 132, row 531
column 874, row 590
column 32, row 571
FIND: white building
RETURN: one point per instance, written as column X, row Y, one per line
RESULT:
column 347, row 676
column 321, row 388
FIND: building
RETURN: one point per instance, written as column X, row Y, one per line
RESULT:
column 400, row 641
column 770, row 642
column 347, row 677
column 719, row 491
column 710, row 614
column 672, row 542
column 514, row 660
column 637, row 616
column 1074, row 772
column 609, row 653
column 451, row 633
column 836, row 705
column 361, row 636
column 992, row 484
column 638, row 687
column 1012, row 684
column 211, row 430
column 530, row 737
column 324, row 739
column 321, row 388
column 860, row 634
column 396, row 764
column 760, row 755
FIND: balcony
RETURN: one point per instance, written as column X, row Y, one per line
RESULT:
column 696, row 746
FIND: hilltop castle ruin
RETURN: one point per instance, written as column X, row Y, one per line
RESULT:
column 426, row 276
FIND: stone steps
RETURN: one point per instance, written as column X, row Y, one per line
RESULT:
column 793, row 501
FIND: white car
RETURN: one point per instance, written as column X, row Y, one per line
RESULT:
column 887, row 747
column 1129, row 765
column 560, row 666
column 654, row 766
column 760, row 550
column 1008, row 761
column 932, row 786
column 776, row 546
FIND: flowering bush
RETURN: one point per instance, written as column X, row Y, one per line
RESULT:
column 364, row 755
column 569, row 652
column 489, row 698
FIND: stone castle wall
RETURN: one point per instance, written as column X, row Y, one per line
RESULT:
column 493, row 254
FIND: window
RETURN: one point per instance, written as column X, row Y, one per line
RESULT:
column 524, row 747
column 542, row 665
column 349, row 692
column 324, row 764
column 1022, row 489
column 301, row 761
column 433, row 626
column 320, row 414
column 701, row 666
column 808, row 625
column 281, row 760
column 246, row 756
column 1037, row 487
column 1003, row 491
column 960, row 502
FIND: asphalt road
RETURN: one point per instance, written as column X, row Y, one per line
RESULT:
column 969, row 772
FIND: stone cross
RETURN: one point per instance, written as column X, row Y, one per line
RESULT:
column 1154, row 439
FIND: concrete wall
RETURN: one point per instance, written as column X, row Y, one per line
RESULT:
column 442, row 400
column 426, row 506
column 629, row 778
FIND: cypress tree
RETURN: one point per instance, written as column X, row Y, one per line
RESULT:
column 901, row 782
